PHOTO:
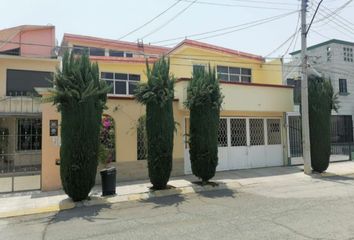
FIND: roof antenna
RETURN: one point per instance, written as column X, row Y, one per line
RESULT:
column 140, row 43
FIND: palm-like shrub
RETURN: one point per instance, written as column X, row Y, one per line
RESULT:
column 204, row 101
column 157, row 94
column 80, row 97
column 321, row 101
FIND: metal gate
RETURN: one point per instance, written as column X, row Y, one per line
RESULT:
column 341, row 138
column 20, row 153
column 246, row 142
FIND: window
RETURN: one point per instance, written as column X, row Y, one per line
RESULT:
column 14, row 51
column 23, row 82
column 198, row 67
column 348, row 54
column 329, row 54
column 256, row 132
column 114, row 53
column 122, row 83
column 128, row 55
column 79, row 50
column 96, row 51
column 234, row 74
column 222, row 133
column 141, row 139
column 341, row 129
column 29, row 131
column 343, row 86
column 273, row 130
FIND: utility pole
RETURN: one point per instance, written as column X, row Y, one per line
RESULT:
column 306, row 151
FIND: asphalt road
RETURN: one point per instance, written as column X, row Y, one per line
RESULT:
column 321, row 209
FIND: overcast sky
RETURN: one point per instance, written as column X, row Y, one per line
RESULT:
column 114, row 18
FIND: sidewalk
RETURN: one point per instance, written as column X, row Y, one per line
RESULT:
column 18, row 204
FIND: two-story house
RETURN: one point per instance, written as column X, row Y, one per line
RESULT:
column 27, row 61
column 333, row 60
column 252, row 129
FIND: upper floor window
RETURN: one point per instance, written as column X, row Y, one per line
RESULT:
column 234, row 74
column 122, row 83
column 198, row 67
column 343, row 86
column 348, row 54
column 80, row 50
column 96, row 51
column 117, row 53
column 329, row 54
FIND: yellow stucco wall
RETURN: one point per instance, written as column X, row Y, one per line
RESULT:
column 183, row 59
column 240, row 101
column 22, row 63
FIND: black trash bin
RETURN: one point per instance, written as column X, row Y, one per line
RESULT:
column 108, row 177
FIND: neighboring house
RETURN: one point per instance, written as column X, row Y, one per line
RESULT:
column 333, row 60
column 252, row 126
column 27, row 61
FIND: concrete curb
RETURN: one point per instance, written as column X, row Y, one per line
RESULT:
column 97, row 200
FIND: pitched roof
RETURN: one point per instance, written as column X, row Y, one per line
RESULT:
column 325, row 43
column 8, row 33
column 115, row 43
column 211, row 47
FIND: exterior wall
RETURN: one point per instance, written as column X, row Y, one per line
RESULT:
column 334, row 70
column 182, row 62
column 125, row 113
column 33, row 42
column 22, row 63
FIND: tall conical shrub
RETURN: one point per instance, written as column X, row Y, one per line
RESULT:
column 204, row 101
column 157, row 94
column 80, row 97
column 321, row 101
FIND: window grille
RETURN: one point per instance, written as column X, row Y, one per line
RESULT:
column 273, row 130
column 222, row 132
column 141, row 139
column 238, row 132
column 256, row 132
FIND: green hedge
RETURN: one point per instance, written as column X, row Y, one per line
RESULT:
column 80, row 97
column 321, row 101
column 204, row 101
column 157, row 94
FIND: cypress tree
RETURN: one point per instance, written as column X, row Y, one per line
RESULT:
column 321, row 101
column 80, row 97
column 157, row 94
column 204, row 101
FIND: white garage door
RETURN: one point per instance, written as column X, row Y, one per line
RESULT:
column 246, row 143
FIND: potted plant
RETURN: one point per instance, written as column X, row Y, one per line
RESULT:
column 106, row 156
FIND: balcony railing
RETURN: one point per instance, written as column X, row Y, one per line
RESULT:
column 20, row 104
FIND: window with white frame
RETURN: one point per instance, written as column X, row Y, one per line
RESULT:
column 117, row 53
column 348, row 54
column 121, row 83
column 343, row 86
column 234, row 74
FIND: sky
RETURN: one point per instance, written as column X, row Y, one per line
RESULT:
column 114, row 19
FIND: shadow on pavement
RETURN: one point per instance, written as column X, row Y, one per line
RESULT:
column 335, row 178
column 89, row 213
column 218, row 193
column 173, row 200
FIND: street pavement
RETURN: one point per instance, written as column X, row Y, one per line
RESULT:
column 317, row 208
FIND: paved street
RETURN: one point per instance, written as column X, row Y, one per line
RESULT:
column 322, row 208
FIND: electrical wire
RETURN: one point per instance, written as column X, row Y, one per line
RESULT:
column 151, row 20
column 170, row 20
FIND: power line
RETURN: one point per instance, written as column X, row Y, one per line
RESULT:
column 222, row 29
column 282, row 44
column 238, row 5
column 170, row 20
column 247, row 27
column 151, row 20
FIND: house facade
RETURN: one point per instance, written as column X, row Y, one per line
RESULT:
column 333, row 60
column 27, row 61
column 252, row 129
